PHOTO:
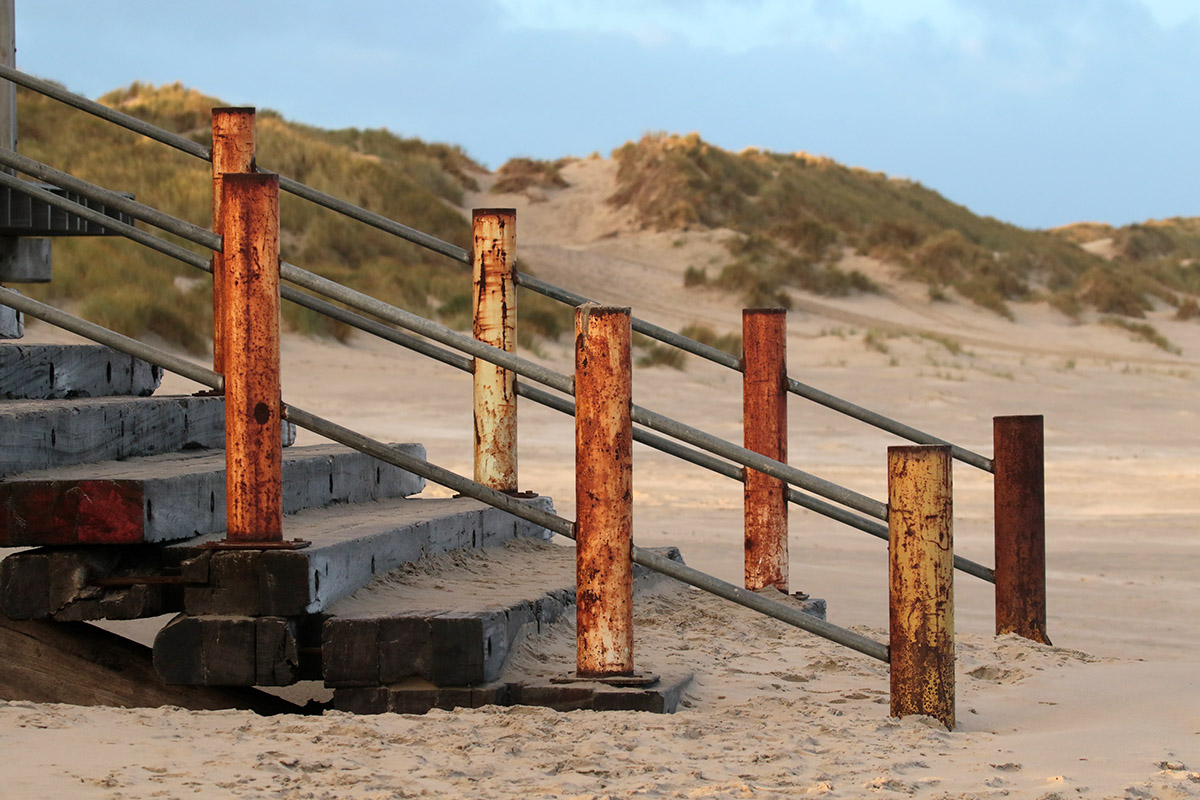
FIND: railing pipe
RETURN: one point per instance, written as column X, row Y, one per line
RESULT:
column 603, row 492
column 764, row 428
column 444, row 477
column 253, row 452
column 718, row 356
column 494, row 321
column 192, row 148
column 159, row 219
column 884, row 423
column 292, row 186
column 921, row 582
column 460, row 254
column 747, row 458
column 1020, row 520
column 639, row 325
column 233, row 146
column 521, row 366
column 104, row 112
column 567, row 406
column 117, row 341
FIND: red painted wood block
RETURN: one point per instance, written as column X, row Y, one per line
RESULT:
column 71, row 512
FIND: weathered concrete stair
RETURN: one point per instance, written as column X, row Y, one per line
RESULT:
column 178, row 495
column 44, row 434
column 43, row 371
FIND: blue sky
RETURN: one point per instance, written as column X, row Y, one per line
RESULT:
column 1038, row 112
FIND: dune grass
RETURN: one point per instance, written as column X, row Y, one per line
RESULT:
column 795, row 214
column 134, row 290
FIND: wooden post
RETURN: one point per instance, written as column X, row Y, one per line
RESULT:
column 764, row 425
column 603, row 491
column 233, row 144
column 253, row 449
column 1020, row 533
column 494, row 303
column 921, row 581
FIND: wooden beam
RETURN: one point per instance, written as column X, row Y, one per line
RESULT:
column 53, row 662
column 45, row 434
column 176, row 496
column 43, row 371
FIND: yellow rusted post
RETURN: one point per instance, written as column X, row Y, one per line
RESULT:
column 1020, row 520
column 603, row 492
column 233, row 146
column 764, row 426
column 921, row 601
column 253, row 447
column 494, row 303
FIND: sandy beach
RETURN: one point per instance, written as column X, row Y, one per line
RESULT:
column 1111, row 711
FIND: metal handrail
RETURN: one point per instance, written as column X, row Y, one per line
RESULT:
column 462, row 342
column 459, row 254
column 444, row 477
column 708, row 442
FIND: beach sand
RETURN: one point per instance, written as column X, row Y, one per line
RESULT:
column 1111, row 711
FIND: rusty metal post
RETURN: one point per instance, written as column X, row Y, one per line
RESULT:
column 764, row 425
column 1020, row 531
column 603, row 492
column 494, row 305
column 233, row 146
column 921, row 581
column 253, row 449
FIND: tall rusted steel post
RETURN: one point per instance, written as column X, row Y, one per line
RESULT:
column 253, row 446
column 494, row 303
column 603, row 491
column 233, row 144
column 1020, row 532
column 764, row 425
column 921, row 581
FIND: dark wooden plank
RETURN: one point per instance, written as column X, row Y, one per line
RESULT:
column 41, row 371
column 58, row 583
column 46, row 434
column 175, row 496
column 228, row 651
column 12, row 323
column 50, row 662
column 349, row 546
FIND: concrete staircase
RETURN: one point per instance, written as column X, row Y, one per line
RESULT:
column 116, row 493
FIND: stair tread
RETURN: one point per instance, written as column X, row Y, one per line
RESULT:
column 349, row 544
column 164, row 466
column 39, row 434
column 451, row 620
column 494, row 579
column 73, row 370
column 177, row 495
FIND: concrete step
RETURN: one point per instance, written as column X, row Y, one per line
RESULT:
column 177, row 496
column 45, row 371
column 12, row 323
column 45, row 434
